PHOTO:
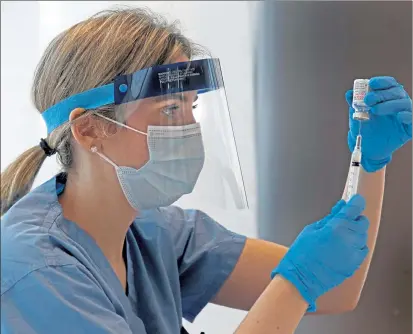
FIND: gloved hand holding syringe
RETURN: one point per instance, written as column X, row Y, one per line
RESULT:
column 360, row 89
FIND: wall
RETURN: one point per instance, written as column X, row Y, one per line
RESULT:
column 26, row 29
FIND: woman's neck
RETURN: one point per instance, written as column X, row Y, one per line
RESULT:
column 100, row 209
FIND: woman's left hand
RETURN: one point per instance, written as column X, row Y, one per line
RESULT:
column 390, row 124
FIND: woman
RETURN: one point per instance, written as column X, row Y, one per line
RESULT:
column 98, row 249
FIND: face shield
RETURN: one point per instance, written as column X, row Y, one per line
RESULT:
column 183, row 111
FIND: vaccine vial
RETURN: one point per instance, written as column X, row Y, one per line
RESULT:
column 360, row 89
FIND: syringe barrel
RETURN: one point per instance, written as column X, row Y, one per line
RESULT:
column 353, row 182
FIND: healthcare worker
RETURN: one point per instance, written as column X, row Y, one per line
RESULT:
column 99, row 249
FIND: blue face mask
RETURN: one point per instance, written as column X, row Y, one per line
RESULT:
column 176, row 158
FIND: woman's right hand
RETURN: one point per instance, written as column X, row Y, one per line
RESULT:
column 327, row 252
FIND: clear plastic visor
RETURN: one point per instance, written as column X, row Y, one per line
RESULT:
column 174, row 101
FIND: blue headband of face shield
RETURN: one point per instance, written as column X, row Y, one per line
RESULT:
column 202, row 75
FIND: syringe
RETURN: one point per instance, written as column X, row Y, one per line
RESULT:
column 354, row 170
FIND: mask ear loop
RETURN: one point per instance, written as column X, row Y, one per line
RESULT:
column 121, row 124
column 94, row 149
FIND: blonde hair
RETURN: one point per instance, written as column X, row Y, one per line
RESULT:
column 90, row 54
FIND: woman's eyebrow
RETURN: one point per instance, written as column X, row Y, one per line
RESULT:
column 175, row 96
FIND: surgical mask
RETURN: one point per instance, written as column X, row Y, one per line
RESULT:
column 176, row 158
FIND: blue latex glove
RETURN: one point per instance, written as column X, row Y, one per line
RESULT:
column 390, row 124
column 327, row 252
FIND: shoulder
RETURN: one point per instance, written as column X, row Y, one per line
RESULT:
column 173, row 220
column 173, row 217
column 28, row 241
column 186, row 221
column 183, row 226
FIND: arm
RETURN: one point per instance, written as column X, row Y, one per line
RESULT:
column 322, row 256
column 264, row 318
column 252, row 272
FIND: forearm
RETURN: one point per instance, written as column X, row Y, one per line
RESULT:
column 278, row 310
column 345, row 297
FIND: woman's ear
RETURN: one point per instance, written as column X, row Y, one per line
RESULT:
column 84, row 128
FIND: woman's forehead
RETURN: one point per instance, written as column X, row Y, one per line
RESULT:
column 180, row 58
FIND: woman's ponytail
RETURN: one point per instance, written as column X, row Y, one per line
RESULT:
column 18, row 178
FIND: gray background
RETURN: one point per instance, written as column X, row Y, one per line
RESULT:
column 307, row 56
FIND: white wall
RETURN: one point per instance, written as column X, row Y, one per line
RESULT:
column 226, row 28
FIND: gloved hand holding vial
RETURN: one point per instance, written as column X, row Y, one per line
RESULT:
column 389, row 110
column 377, row 106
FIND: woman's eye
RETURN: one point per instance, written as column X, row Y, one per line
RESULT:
column 169, row 110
